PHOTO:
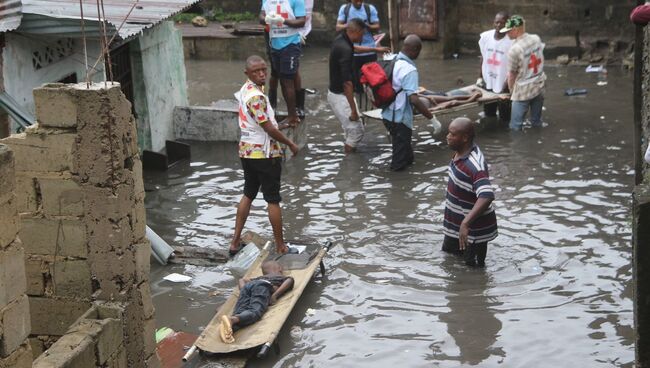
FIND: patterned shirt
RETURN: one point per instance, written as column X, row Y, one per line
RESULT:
column 257, row 107
column 468, row 181
column 520, row 61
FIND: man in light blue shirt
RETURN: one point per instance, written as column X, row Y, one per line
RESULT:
column 285, row 18
column 398, row 116
column 366, row 50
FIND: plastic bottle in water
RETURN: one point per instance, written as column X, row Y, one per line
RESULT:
column 602, row 77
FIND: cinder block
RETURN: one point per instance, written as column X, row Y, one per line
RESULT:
column 71, row 350
column 142, row 261
column 110, row 339
column 12, row 273
column 149, row 337
column 54, row 317
column 26, row 198
column 35, row 271
column 45, row 151
column 9, row 223
column 112, row 202
column 21, row 358
column 16, row 325
column 61, row 196
column 55, row 107
column 44, row 236
column 118, row 360
column 72, row 278
column 107, row 309
column 148, row 309
column 7, row 170
column 139, row 221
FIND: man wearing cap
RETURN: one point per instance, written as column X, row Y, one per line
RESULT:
column 494, row 47
column 526, row 76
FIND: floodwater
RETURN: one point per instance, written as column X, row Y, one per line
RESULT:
column 557, row 288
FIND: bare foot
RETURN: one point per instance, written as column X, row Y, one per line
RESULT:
column 348, row 149
column 225, row 330
column 281, row 249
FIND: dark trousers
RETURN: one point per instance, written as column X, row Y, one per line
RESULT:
column 400, row 136
column 252, row 303
column 474, row 254
column 503, row 107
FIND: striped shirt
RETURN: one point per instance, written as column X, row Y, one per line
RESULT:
column 468, row 181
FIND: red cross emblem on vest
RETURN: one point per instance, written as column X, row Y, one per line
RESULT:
column 493, row 61
column 534, row 63
column 279, row 11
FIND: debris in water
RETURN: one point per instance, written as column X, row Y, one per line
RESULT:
column 177, row 277
column 575, row 91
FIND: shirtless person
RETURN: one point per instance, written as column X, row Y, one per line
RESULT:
column 255, row 296
column 438, row 102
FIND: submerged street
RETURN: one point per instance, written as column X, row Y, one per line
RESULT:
column 556, row 290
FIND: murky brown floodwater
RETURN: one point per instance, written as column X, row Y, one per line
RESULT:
column 557, row 287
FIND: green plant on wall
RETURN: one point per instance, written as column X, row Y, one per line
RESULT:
column 218, row 15
column 184, row 17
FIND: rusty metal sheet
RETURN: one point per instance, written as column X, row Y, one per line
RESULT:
column 418, row 17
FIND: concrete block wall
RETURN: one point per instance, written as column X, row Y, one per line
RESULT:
column 15, row 350
column 81, row 203
column 96, row 339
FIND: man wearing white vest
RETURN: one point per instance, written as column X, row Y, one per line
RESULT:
column 260, row 153
column 494, row 47
column 285, row 19
column 526, row 76
column 398, row 116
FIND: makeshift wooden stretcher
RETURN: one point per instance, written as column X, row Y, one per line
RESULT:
column 301, row 267
column 486, row 97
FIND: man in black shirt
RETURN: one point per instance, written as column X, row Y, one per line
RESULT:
column 341, row 89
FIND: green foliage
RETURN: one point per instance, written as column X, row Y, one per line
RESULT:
column 184, row 17
column 219, row 15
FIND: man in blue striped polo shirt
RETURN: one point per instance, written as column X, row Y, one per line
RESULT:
column 470, row 222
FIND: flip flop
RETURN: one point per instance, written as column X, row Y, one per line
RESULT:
column 225, row 330
column 232, row 253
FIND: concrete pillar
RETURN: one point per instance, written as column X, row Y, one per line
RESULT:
column 641, row 277
column 15, row 350
column 81, row 199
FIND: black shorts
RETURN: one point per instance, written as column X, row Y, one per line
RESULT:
column 264, row 173
column 285, row 62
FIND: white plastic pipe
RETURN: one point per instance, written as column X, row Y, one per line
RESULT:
column 161, row 251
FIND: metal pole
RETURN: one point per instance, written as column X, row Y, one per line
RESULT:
column 638, row 102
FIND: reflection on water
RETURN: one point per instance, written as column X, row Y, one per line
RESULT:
column 557, row 287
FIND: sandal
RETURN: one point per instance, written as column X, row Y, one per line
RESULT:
column 232, row 252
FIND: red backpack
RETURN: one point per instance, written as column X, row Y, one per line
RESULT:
column 377, row 81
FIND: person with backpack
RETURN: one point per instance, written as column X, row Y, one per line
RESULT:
column 398, row 116
column 365, row 51
column 341, row 89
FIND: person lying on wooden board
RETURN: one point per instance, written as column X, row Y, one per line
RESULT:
column 255, row 296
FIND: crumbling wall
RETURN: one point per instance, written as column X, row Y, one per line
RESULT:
column 96, row 339
column 80, row 197
column 15, row 350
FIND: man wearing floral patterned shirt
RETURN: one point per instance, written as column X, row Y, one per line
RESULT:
column 260, row 153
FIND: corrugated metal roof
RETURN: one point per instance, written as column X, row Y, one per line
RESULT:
column 10, row 14
column 145, row 14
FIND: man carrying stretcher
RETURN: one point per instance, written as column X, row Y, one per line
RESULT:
column 255, row 296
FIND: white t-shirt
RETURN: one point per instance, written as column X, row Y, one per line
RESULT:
column 495, row 60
